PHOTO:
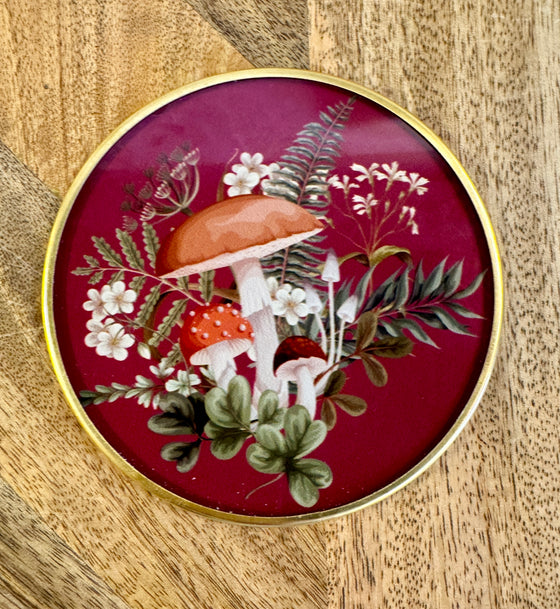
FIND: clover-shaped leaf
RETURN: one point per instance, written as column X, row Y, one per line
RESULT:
column 184, row 453
column 269, row 411
column 302, row 434
column 305, row 479
column 231, row 409
column 177, row 418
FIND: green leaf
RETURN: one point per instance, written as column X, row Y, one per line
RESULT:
column 130, row 250
column 228, row 443
column 170, row 424
column 452, row 278
column 335, row 383
column 95, row 278
column 231, row 409
column 93, row 262
column 302, row 489
column 433, row 281
column 351, row 404
column 472, row 288
column 302, row 434
column 268, row 411
column 414, row 328
column 148, row 306
column 375, row 370
column 366, row 329
column 386, row 251
column 449, row 321
column 328, row 413
column 305, row 480
column 206, row 285
column 264, row 461
column 184, row 453
column 169, row 321
column 107, row 252
column 463, row 311
column 137, row 283
column 392, row 347
column 270, row 438
column 151, row 242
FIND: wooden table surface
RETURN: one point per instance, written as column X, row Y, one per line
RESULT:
column 482, row 527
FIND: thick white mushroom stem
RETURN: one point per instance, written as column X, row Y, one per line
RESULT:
column 220, row 361
column 256, row 307
column 305, row 389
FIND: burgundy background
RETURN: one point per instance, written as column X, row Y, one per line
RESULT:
column 426, row 391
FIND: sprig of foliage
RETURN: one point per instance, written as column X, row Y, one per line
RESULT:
column 407, row 305
column 302, row 179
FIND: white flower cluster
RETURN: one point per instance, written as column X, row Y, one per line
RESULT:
column 108, row 337
column 148, row 392
column 247, row 174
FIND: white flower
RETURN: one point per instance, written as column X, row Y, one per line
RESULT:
column 290, row 305
column 95, row 304
column 113, row 342
column 343, row 184
column 95, row 327
column 416, row 183
column 392, row 173
column 253, row 164
column 312, row 298
column 365, row 174
column 242, row 182
column 183, row 384
column 118, row 299
column 274, row 286
column 411, row 212
column 363, row 205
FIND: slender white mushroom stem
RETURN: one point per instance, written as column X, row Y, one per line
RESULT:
column 306, row 391
column 256, row 307
column 340, row 341
column 331, row 323
column 347, row 314
column 316, row 306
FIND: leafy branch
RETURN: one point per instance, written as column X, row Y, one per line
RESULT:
column 302, row 179
column 433, row 301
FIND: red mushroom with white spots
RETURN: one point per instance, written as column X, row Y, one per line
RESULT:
column 214, row 335
column 301, row 359
column 237, row 232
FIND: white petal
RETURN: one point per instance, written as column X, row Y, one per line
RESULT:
column 120, row 354
column 291, row 317
column 297, row 295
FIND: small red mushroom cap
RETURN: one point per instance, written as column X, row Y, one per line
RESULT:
column 210, row 324
column 296, row 351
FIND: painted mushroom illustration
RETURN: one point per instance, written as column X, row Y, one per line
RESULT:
column 237, row 232
column 301, row 359
column 213, row 336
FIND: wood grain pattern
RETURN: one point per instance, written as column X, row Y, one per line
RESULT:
column 482, row 527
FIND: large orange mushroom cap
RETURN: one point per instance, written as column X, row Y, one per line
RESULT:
column 247, row 226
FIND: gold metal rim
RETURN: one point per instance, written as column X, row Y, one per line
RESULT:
column 48, row 285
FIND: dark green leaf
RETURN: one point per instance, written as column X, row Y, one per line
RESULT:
column 306, row 478
column 391, row 347
column 184, row 453
column 335, row 383
column 366, row 329
column 328, row 413
column 170, row 424
column 231, row 409
column 414, row 328
column 463, row 311
column 374, row 369
column 452, row 278
column 433, row 281
column 450, row 322
column 351, row 404
column 472, row 288
column 317, row 471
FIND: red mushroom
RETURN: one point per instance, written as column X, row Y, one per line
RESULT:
column 236, row 232
column 301, row 359
column 213, row 336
